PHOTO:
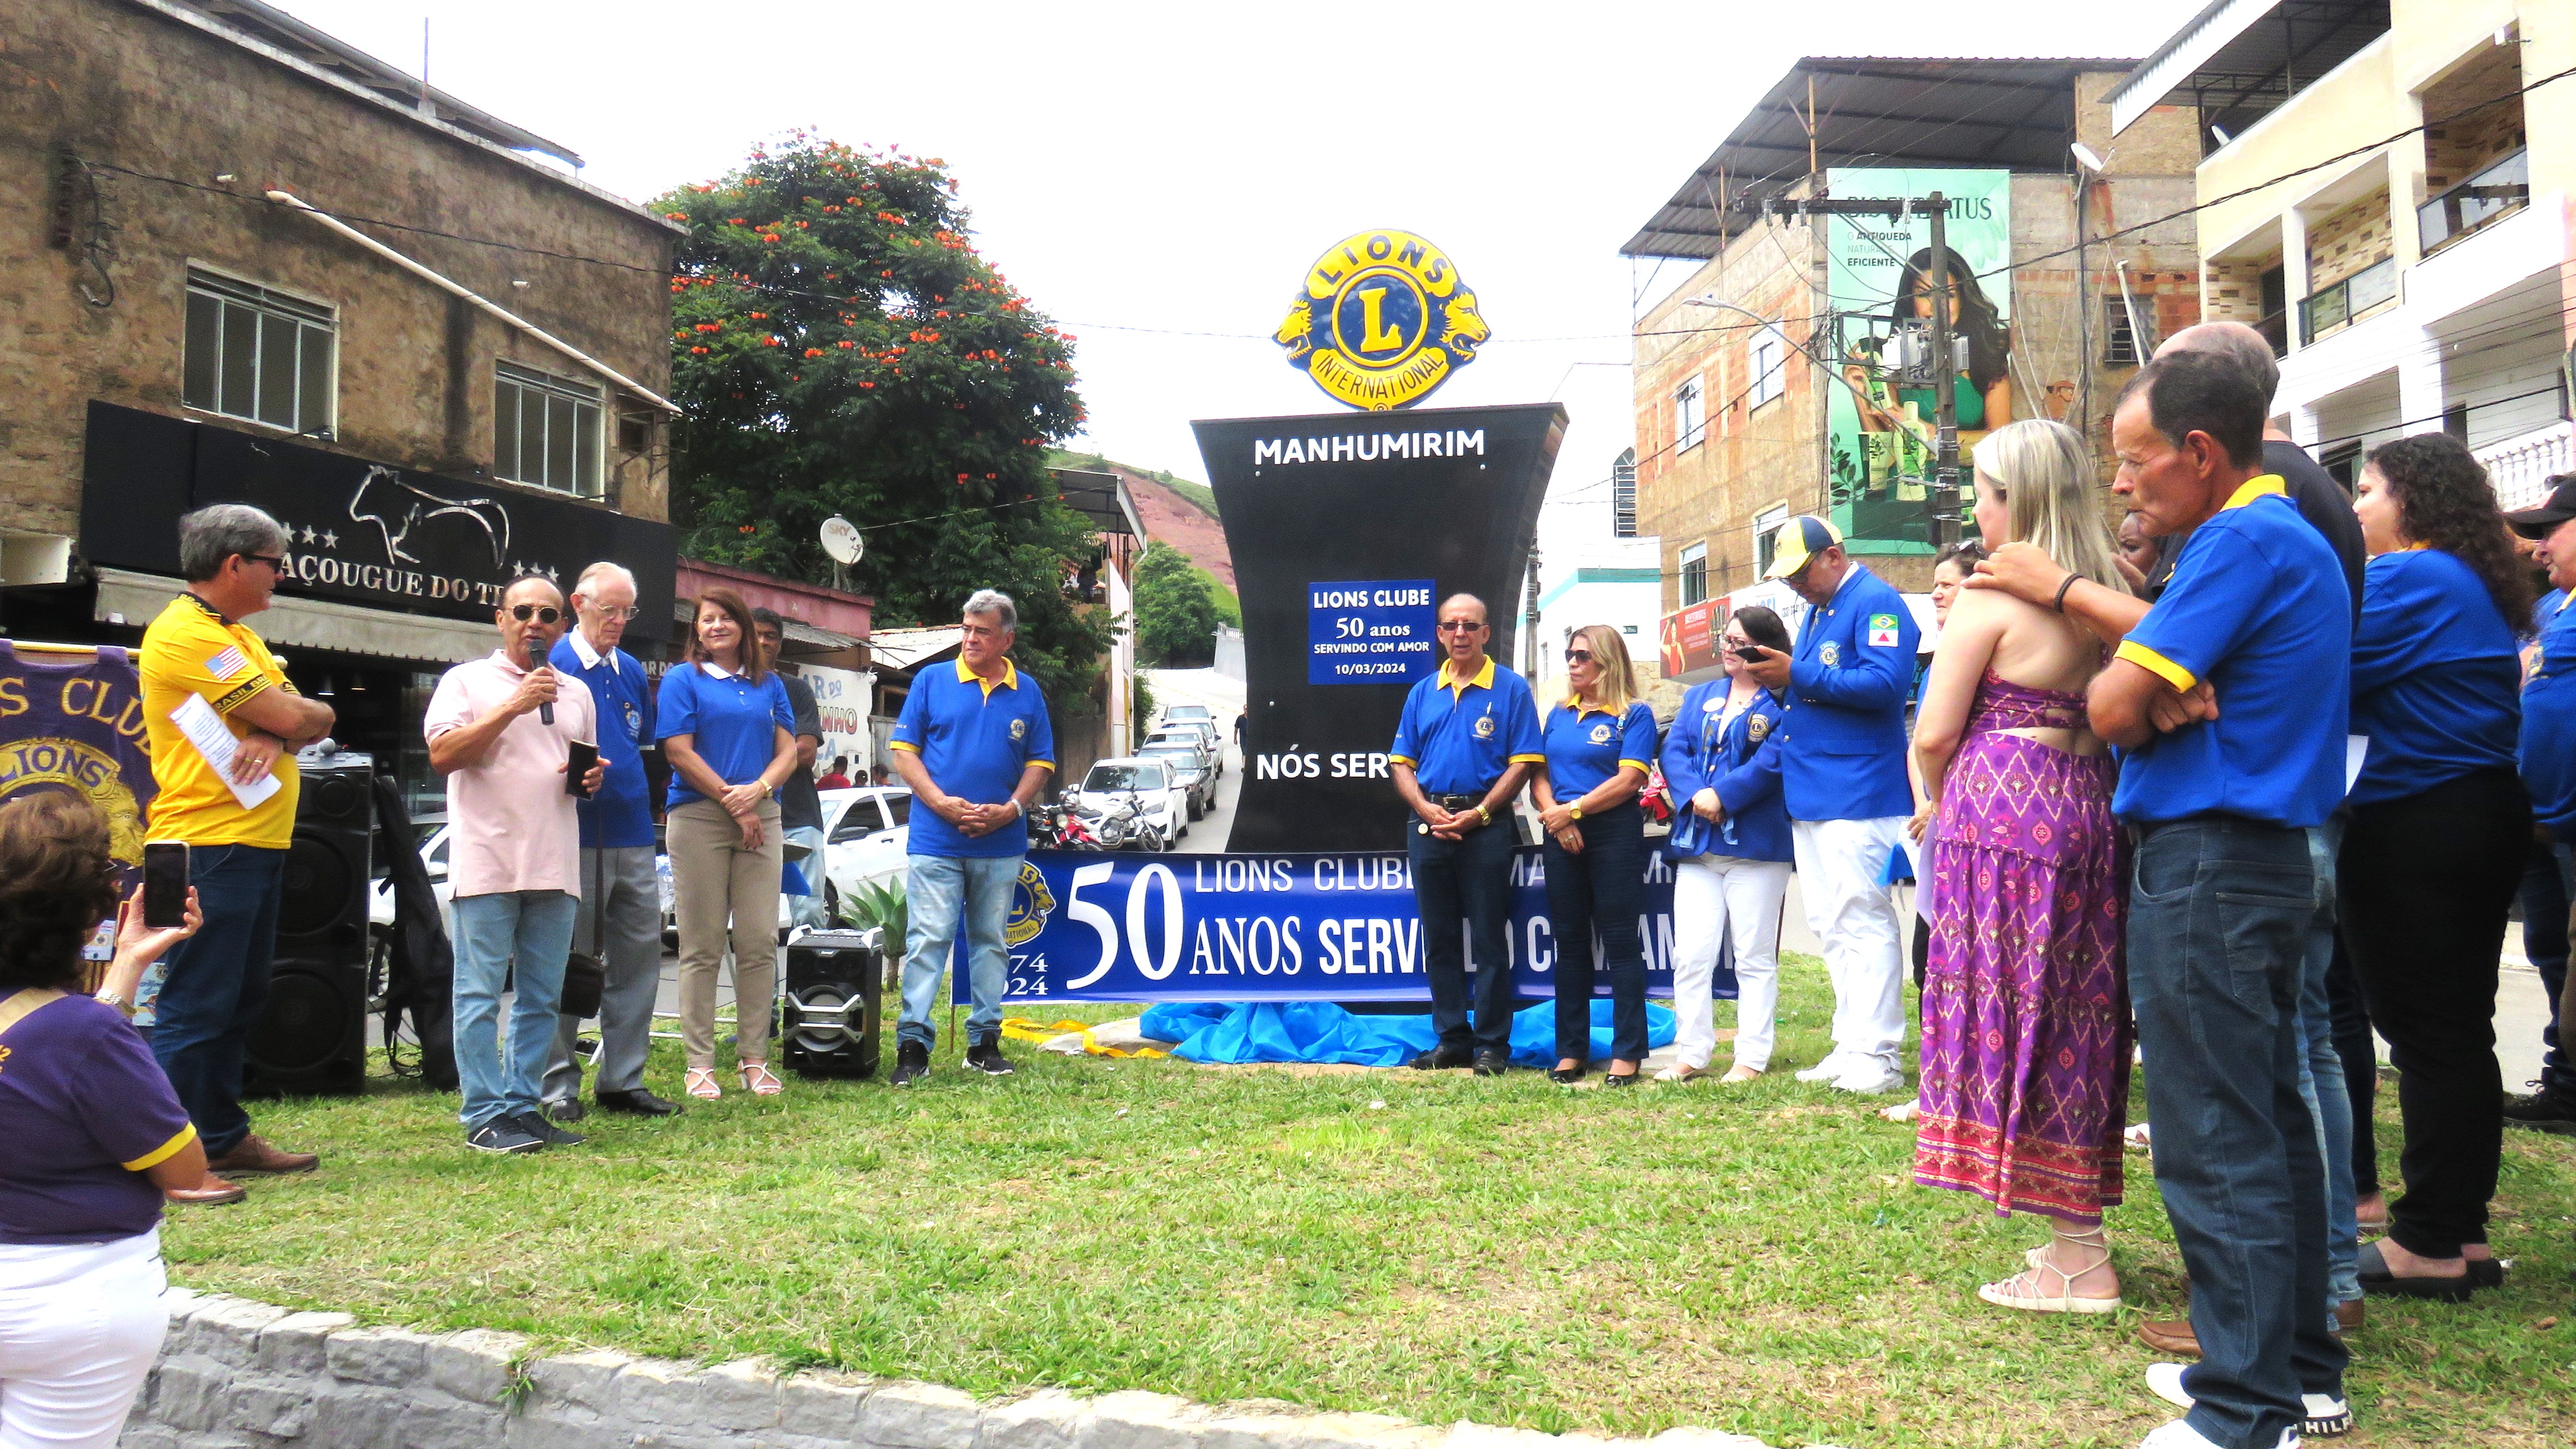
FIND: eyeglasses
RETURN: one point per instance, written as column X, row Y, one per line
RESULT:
column 543, row 614
column 615, row 615
column 276, row 563
column 1578, row 656
column 1459, row 626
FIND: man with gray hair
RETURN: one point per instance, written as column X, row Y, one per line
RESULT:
column 975, row 744
column 620, row 920
column 200, row 659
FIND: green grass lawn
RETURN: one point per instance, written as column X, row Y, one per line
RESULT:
column 1441, row 1247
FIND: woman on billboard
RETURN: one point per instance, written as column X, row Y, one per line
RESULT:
column 1982, row 390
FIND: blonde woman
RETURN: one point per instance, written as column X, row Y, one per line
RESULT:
column 1599, row 739
column 2025, row 1078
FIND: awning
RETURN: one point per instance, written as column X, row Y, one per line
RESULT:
column 904, row 648
column 685, row 614
column 287, row 623
column 2238, row 59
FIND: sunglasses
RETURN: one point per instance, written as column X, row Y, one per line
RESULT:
column 543, row 614
column 1459, row 626
column 1578, row 656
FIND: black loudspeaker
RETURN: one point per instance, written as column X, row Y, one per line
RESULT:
column 835, row 1017
column 311, row 1038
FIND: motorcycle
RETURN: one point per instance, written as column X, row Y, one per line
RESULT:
column 1123, row 823
column 1054, row 827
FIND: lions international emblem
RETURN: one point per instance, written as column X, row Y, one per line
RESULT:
column 1019, row 729
column 1601, row 734
column 1382, row 321
column 1757, row 727
column 1031, row 904
column 1484, row 727
column 1830, row 652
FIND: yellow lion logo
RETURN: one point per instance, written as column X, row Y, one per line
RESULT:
column 1297, row 334
column 1465, row 330
column 1382, row 320
column 1031, row 904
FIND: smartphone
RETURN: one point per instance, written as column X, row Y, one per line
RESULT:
column 165, row 883
column 577, row 768
column 1752, row 653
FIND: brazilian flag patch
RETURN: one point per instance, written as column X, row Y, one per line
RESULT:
column 1882, row 631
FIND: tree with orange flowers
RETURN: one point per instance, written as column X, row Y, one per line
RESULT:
column 839, row 346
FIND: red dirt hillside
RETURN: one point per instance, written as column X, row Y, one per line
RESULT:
column 1171, row 516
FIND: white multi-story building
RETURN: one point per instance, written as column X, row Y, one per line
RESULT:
column 2384, row 198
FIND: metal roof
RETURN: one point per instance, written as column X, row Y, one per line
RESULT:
column 2016, row 114
column 1101, row 497
column 2239, row 59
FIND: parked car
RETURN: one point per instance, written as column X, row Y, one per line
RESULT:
column 1161, row 804
column 1205, row 732
column 1184, row 737
column 1176, row 713
column 1188, row 766
column 433, row 855
column 867, row 833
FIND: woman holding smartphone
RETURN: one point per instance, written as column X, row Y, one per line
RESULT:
column 1600, row 741
column 725, row 725
column 1731, row 851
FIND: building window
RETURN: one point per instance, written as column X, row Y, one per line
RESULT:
column 1623, row 495
column 1767, row 358
column 1694, row 574
column 545, row 430
column 258, row 354
column 1766, row 537
column 1690, row 421
column 2120, row 343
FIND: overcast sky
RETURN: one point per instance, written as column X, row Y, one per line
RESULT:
column 1173, row 169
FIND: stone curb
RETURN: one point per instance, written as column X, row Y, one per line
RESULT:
column 235, row 1374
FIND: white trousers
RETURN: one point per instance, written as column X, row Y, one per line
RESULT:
column 1719, row 899
column 1840, row 864
column 79, row 1327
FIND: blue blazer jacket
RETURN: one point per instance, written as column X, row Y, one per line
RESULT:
column 1742, row 763
column 1843, row 751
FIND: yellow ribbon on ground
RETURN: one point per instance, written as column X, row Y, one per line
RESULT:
column 1097, row 1050
column 1020, row 1028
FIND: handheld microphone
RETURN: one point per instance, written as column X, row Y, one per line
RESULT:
column 536, row 661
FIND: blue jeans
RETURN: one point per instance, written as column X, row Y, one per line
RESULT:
column 807, row 910
column 1602, row 888
column 2218, row 919
column 939, row 891
column 522, row 937
column 217, row 984
column 2544, row 945
column 2321, row 1080
column 1463, row 889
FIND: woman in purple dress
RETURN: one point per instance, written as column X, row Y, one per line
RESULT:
column 2026, row 1038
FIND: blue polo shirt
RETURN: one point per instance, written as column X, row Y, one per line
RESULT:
column 2257, row 606
column 2548, row 741
column 976, row 737
column 1586, row 744
column 2436, row 679
column 1461, row 735
column 728, row 719
column 620, row 816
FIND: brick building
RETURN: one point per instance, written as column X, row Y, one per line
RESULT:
column 1740, row 424
column 180, row 338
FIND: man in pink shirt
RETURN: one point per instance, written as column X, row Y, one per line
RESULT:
column 501, row 731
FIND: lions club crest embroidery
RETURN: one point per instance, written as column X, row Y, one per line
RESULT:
column 1484, row 727
column 1601, row 734
column 1382, row 321
column 1019, row 729
column 1031, row 904
column 1830, row 652
column 1757, row 727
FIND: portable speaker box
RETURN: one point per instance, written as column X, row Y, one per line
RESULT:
column 311, row 1036
column 834, row 1022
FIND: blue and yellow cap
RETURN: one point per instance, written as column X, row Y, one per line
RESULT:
column 1801, row 539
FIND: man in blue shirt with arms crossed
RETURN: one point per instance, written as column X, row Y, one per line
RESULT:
column 2228, row 699
column 1462, row 751
column 975, row 744
column 620, row 919
column 1842, row 773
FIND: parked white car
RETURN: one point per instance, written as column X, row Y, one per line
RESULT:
column 1160, row 799
column 867, row 833
column 1201, row 731
column 433, row 854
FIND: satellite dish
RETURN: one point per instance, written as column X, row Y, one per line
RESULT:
column 842, row 540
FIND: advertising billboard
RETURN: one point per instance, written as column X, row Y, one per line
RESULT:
column 1878, row 272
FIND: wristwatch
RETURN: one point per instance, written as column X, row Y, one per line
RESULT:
column 116, row 999
column 1574, row 812
column 1483, row 815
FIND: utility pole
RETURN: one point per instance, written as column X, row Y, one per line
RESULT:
column 1530, row 657
column 1945, row 386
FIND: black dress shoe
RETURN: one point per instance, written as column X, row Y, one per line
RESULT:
column 2486, row 1272
column 1565, row 1076
column 2543, row 1111
column 564, row 1109
column 637, row 1103
column 1443, row 1057
column 1619, row 1079
column 1492, row 1063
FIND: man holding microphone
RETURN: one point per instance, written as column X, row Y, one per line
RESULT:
column 1462, row 751
column 1842, row 773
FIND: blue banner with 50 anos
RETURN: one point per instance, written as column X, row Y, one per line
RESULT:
column 1091, row 927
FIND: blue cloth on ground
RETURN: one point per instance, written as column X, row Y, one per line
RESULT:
column 1319, row 1031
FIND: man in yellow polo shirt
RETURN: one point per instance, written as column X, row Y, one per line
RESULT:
column 237, row 822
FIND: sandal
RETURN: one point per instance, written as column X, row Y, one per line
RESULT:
column 2009, row 1294
column 701, row 1084
column 1739, row 1073
column 1680, row 1072
column 759, row 1080
column 1901, row 1112
column 2377, row 1281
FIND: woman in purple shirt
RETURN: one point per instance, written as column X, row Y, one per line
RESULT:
column 94, row 1134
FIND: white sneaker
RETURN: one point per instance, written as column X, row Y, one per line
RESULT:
column 2326, row 1417
column 1834, row 1065
column 1870, row 1078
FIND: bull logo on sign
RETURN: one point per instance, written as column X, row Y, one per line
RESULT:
column 397, row 508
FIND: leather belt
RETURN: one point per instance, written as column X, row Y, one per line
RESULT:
column 1456, row 802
